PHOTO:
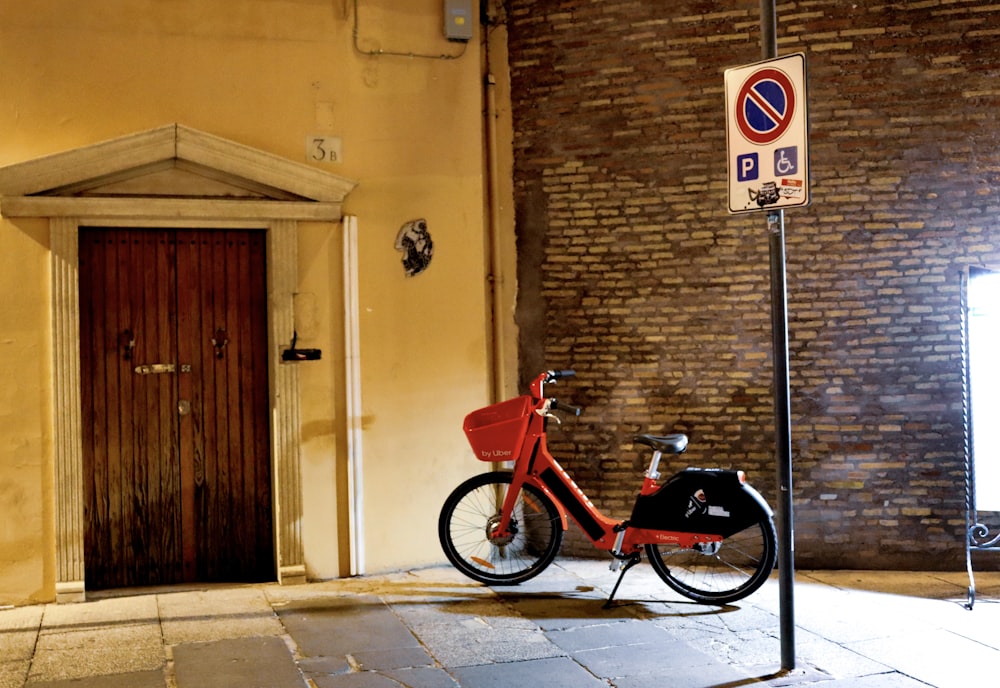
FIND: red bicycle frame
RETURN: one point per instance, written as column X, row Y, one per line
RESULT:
column 516, row 430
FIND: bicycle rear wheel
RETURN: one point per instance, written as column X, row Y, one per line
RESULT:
column 469, row 517
column 719, row 573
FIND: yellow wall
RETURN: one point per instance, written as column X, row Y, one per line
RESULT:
column 268, row 74
column 27, row 549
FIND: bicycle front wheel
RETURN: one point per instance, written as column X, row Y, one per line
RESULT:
column 719, row 573
column 469, row 519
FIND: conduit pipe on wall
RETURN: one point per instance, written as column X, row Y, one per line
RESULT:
column 352, row 378
column 498, row 331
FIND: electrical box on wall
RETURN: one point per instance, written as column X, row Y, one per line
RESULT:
column 458, row 20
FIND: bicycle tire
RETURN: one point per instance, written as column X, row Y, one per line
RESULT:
column 465, row 521
column 741, row 564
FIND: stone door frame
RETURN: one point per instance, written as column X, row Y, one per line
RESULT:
column 145, row 180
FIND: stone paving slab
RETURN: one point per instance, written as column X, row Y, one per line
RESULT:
column 367, row 680
column 129, row 610
column 938, row 658
column 141, row 679
column 333, row 627
column 408, row 678
column 836, row 660
column 422, row 677
column 20, row 627
column 554, row 672
column 353, row 640
column 688, row 676
column 393, row 658
column 890, row 680
column 13, row 674
column 599, row 635
column 216, row 613
column 103, row 637
column 256, row 662
column 479, row 641
column 97, row 650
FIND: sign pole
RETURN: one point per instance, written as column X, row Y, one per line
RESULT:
column 782, row 395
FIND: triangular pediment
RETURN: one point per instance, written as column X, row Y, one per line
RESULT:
column 173, row 179
column 173, row 163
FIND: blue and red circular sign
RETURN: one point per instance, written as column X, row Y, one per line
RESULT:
column 765, row 106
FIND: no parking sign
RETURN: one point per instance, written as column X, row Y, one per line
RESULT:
column 767, row 135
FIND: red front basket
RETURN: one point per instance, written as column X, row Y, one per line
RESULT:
column 496, row 432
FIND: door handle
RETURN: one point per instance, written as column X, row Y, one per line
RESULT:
column 155, row 368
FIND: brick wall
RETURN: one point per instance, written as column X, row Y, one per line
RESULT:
column 632, row 272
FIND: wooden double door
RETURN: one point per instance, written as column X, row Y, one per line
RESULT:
column 177, row 479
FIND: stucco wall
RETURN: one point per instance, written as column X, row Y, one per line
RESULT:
column 27, row 554
column 270, row 74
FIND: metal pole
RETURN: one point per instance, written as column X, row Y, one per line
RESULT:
column 782, row 439
column 782, row 394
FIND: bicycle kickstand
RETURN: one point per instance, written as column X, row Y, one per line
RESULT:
column 632, row 561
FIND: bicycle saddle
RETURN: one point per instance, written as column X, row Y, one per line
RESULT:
column 668, row 444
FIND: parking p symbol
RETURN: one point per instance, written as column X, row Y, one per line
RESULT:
column 747, row 167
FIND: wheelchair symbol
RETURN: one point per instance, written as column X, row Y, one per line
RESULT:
column 786, row 160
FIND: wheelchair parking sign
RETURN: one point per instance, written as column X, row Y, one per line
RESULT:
column 767, row 135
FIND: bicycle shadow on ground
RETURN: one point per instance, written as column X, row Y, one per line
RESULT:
column 583, row 603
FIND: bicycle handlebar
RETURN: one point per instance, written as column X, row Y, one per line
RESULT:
column 537, row 386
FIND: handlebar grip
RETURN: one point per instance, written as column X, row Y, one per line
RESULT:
column 575, row 410
column 559, row 374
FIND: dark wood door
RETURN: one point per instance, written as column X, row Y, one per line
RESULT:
column 175, row 406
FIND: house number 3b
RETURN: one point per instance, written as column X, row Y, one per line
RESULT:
column 323, row 148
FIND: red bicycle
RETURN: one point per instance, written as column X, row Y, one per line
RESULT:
column 706, row 533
